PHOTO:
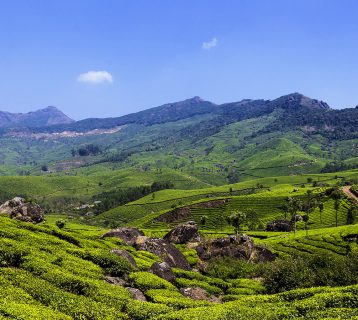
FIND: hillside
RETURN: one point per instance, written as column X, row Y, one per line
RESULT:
column 60, row 274
column 218, row 144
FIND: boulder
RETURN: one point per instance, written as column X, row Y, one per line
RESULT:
column 164, row 250
column 128, row 235
column 184, row 233
column 115, row 280
column 126, row 255
column 351, row 238
column 279, row 225
column 163, row 270
column 19, row 209
column 137, row 294
column 262, row 254
column 240, row 247
column 197, row 293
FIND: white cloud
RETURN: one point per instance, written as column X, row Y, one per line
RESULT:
column 210, row 44
column 95, row 77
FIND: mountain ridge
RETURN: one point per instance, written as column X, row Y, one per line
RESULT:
column 42, row 117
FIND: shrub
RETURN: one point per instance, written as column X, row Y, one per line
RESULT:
column 313, row 270
column 174, row 299
column 230, row 268
column 60, row 223
column 182, row 282
column 111, row 263
column 11, row 257
column 146, row 280
column 145, row 310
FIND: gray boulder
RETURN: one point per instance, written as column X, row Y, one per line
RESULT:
column 126, row 255
column 163, row 270
column 279, row 225
column 128, row 235
column 115, row 280
column 19, row 209
column 164, row 250
column 240, row 247
column 184, row 233
column 136, row 294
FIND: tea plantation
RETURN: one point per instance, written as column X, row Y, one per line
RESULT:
column 48, row 273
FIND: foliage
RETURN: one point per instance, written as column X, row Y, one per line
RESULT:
column 316, row 270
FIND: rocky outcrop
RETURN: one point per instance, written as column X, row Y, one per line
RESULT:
column 126, row 255
column 197, row 293
column 240, row 247
column 128, row 235
column 19, row 209
column 115, row 280
column 163, row 270
column 136, row 294
column 262, row 254
column 164, row 250
column 184, row 233
column 235, row 246
column 279, row 225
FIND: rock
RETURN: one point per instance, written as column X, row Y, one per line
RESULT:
column 197, row 293
column 184, row 233
column 298, row 218
column 19, row 209
column 126, row 255
column 163, row 270
column 240, row 247
column 115, row 280
column 262, row 254
column 279, row 225
column 137, row 294
column 128, row 235
column 164, row 250
column 351, row 238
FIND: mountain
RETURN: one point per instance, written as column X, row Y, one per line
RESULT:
column 44, row 117
column 215, row 143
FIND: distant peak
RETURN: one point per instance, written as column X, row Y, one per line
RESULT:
column 196, row 99
column 298, row 99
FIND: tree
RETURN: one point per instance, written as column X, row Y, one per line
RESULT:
column 203, row 220
column 237, row 219
column 321, row 207
column 44, row 168
column 60, row 223
column 337, row 196
column 293, row 206
column 252, row 219
column 352, row 213
column 308, row 206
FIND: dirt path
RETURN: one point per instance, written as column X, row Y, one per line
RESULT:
column 349, row 193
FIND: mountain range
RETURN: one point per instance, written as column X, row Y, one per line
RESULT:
column 219, row 143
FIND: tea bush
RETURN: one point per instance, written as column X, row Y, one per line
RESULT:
column 146, row 280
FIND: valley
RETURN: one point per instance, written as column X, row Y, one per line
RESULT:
column 190, row 210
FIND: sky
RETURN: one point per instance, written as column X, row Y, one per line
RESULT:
column 103, row 58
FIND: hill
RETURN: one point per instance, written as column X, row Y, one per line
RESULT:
column 60, row 274
column 218, row 144
column 44, row 117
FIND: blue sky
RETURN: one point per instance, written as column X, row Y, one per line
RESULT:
column 108, row 58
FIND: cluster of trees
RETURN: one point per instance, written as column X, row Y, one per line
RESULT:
column 115, row 198
column 87, row 150
column 310, row 271
column 337, row 166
